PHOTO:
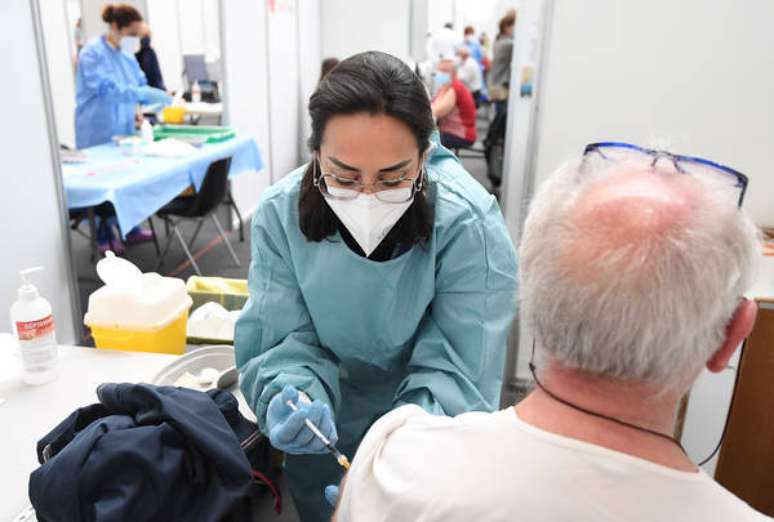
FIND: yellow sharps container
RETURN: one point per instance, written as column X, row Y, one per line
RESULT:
column 137, row 312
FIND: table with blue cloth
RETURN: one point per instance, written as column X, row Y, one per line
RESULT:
column 138, row 186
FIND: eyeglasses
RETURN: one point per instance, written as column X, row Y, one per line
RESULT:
column 394, row 190
column 612, row 150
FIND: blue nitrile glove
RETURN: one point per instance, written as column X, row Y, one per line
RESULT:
column 332, row 494
column 288, row 431
column 150, row 95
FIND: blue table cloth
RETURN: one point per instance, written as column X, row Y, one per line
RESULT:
column 138, row 186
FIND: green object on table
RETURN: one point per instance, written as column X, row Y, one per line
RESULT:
column 230, row 293
column 193, row 134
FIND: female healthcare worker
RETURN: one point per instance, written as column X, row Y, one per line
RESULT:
column 382, row 275
column 109, row 81
column 109, row 85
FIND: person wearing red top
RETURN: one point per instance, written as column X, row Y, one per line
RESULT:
column 453, row 108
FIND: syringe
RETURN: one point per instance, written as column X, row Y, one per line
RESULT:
column 340, row 457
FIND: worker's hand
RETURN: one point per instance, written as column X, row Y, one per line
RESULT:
column 150, row 95
column 332, row 494
column 287, row 428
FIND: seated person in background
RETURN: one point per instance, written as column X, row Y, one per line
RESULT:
column 453, row 108
column 149, row 62
column 470, row 74
column 631, row 277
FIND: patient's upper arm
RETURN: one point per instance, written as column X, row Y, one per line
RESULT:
column 399, row 472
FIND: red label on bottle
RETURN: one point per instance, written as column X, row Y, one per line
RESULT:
column 33, row 329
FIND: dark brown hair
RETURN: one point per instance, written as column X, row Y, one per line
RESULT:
column 327, row 65
column 122, row 15
column 507, row 21
column 469, row 30
column 376, row 83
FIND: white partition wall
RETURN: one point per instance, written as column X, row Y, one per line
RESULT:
column 60, row 67
column 440, row 12
column 309, row 61
column 695, row 78
column 350, row 27
column 420, row 26
column 165, row 40
column 246, row 87
column 284, row 86
column 211, row 17
column 31, row 210
column 190, row 23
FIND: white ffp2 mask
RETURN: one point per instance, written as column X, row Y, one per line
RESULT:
column 130, row 44
column 368, row 219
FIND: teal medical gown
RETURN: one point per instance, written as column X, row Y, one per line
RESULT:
column 428, row 327
column 105, row 93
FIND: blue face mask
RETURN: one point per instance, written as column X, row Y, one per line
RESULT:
column 441, row 79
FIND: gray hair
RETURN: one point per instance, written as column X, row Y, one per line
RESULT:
column 654, row 308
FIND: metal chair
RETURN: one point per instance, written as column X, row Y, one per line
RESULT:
column 197, row 208
column 231, row 203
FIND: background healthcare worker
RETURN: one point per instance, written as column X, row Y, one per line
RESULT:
column 109, row 81
column 382, row 274
column 109, row 84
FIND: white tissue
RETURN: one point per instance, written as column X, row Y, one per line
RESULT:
column 212, row 321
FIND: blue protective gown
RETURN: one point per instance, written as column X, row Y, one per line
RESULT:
column 428, row 327
column 105, row 93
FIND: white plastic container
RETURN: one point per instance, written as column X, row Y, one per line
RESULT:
column 33, row 325
column 136, row 311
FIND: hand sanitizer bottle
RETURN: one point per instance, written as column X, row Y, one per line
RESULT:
column 146, row 131
column 33, row 325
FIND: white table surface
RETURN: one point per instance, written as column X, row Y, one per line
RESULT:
column 27, row 413
column 204, row 108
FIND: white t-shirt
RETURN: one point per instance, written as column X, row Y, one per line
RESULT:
column 412, row 466
column 469, row 73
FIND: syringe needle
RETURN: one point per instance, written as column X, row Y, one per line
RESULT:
column 340, row 457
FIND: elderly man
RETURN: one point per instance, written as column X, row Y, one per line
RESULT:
column 633, row 264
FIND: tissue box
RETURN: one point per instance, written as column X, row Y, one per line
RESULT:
column 230, row 293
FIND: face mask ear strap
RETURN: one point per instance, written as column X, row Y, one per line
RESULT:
column 316, row 171
column 419, row 182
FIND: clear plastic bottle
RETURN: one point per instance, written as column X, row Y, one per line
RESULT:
column 146, row 131
column 33, row 325
column 196, row 92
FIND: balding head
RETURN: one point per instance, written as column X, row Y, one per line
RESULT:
column 631, row 271
column 624, row 212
